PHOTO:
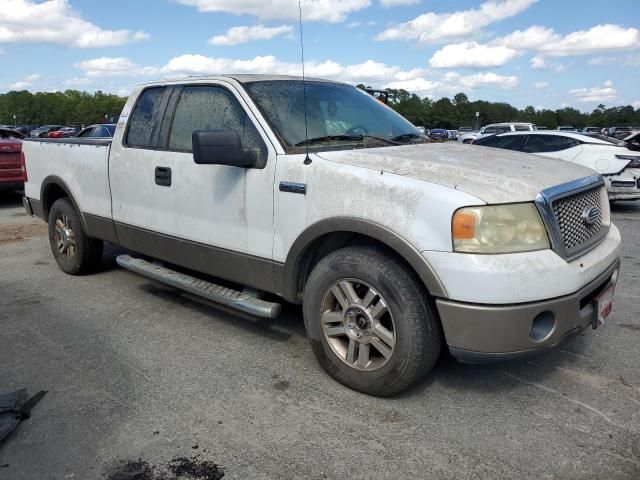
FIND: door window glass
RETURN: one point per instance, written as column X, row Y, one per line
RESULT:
column 212, row 108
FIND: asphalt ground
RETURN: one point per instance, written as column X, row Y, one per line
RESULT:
column 139, row 375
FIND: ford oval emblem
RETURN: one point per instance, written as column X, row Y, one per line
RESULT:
column 590, row 215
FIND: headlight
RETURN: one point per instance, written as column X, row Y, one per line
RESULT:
column 499, row 229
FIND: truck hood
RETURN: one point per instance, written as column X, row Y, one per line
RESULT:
column 490, row 174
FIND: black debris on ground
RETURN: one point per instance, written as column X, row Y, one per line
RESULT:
column 180, row 468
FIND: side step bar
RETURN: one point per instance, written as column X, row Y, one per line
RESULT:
column 216, row 293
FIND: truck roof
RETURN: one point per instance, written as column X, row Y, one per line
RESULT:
column 240, row 77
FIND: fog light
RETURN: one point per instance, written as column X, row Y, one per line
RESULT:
column 542, row 326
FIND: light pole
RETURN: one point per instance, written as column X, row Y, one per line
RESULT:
column 477, row 118
column 15, row 124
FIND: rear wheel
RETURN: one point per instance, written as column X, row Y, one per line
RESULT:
column 74, row 251
column 370, row 322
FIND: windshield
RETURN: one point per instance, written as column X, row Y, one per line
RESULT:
column 337, row 114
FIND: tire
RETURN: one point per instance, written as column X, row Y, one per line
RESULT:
column 74, row 251
column 377, row 279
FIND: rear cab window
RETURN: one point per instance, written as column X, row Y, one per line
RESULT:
column 145, row 118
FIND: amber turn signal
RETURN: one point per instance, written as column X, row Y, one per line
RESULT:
column 464, row 226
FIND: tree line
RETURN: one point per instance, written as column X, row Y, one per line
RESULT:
column 459, row 111
column 72, row 107
column 58, row 108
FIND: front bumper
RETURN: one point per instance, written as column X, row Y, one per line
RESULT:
column 478, row 333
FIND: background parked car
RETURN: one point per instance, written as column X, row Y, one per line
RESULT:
column 591, row 130
column 494, row 128
column 439, row 134
column 43, row 131
column 12, row 171
column 619, row 132
column 104, row 130
column 64, row 132
column 567, row 128
column 619, row 165
column 463, row 131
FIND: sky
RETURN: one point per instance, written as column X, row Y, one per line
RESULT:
column 544, row 53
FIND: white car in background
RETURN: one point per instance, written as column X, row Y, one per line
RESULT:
column 618, row 164
column 495, row 128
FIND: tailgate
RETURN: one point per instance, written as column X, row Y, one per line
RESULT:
column 10, row 166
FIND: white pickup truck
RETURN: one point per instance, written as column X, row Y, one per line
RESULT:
column 316, row 192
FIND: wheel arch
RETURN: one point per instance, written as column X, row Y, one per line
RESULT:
column 329, row 235
column 53, row 188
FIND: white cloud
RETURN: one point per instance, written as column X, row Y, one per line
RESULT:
column 636, row 104
column 441, row 27
column 539, row 62
column 397, row 3
column 54, row 21
column 530, row 39
column 79, row 81
column 243, row 34
column 471, row 54
column 420, row 86
column 547, row 43
column 489, row 79
column 600, row 38
column 114, row 67
column 369, row 71
column 317, row 10
column 597, row 39
column 605, row 93
column 629, row 60
column 540, row 84
column 25, row 82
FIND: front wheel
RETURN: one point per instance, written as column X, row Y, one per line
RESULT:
column 370, row 321
column 74, row 251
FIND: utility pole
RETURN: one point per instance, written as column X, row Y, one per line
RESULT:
column 477, row 118
column 15, row 124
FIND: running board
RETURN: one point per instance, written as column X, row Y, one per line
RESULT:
column 226, row 296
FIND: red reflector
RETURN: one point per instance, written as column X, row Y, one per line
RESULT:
column 23, row 165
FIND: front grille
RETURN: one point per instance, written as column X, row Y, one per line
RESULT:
column 570, row 211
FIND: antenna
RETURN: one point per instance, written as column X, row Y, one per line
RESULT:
column 307, row 160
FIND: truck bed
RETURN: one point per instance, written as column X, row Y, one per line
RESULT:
column 83, row 165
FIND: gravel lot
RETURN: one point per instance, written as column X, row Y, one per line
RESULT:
column 135, row 371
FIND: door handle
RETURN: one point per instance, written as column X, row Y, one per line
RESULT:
column 163, row 176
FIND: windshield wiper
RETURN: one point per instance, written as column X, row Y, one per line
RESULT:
column 406, row 136
column 310, row 141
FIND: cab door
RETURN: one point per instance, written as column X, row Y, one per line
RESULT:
column 217, row 219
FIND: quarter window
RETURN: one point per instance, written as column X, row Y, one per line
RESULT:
column 144, row 118
column 212, row 108
column 549, row 143
column 508, row 142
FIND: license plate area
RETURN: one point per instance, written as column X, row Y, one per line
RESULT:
column 603, row 305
